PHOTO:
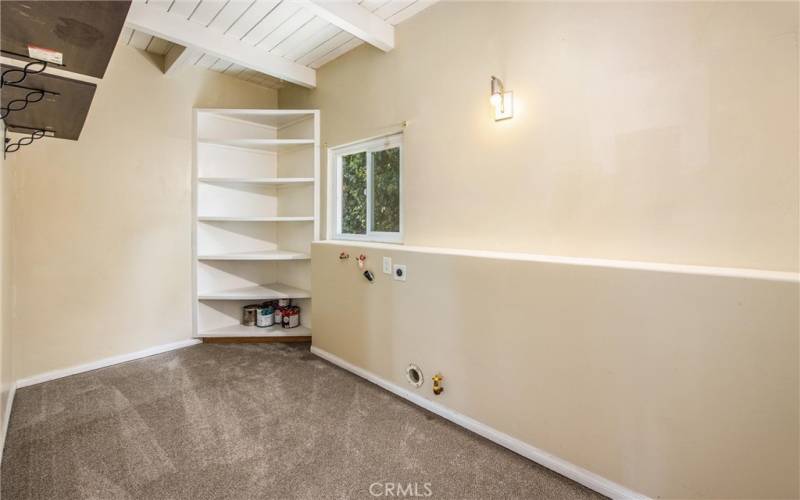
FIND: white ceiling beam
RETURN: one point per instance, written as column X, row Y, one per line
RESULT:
column 178, row 57
column 354, row 19
column 197, row 37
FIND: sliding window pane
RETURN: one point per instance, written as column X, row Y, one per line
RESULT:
column 386, row 190
column 354, row 193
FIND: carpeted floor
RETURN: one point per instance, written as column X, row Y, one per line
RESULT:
column 245, row 422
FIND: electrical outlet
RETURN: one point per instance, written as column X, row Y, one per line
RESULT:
column 400, row 272
column 387, row 265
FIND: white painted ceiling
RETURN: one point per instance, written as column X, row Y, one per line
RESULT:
column 280, row 27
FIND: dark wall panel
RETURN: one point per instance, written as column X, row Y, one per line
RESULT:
column 84, row 31
column 64, row 113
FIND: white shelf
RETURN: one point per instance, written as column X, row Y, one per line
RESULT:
column 205, row 218
column 254, row 331
column 272, row 291
column 265, row 255
column 274, row 118
column 272, row 181
column 256, row 194
column 273, row 145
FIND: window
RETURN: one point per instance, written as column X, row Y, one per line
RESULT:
column 367, row 190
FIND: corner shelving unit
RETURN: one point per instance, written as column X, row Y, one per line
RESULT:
column 256, row 212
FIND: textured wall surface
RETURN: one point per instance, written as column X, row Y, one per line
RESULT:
column 655, row 131
column 6, row 291
column 103, row 225
column 674, row 385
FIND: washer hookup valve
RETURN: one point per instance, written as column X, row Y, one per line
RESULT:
column 437, row 384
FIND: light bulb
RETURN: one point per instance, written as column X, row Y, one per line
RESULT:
column 501, row 100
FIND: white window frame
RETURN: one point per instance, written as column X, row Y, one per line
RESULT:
column 368, row 146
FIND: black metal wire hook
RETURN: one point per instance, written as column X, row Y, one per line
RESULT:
column 37, row 133
column 24, row 72
column 35, row 95
column 20, row 104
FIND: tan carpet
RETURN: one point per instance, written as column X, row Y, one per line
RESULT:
column 247, row 421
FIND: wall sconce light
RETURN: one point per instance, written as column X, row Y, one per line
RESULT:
column 502, row 101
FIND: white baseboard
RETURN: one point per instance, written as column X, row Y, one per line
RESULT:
column 114, row 360
column 572, row 471
column 7, row 417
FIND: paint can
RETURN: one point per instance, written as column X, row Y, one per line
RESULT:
column 279, row 316
column 294, row 319
column 249, row 313
column 284, row 302
column 265, row 317
column 291, row 317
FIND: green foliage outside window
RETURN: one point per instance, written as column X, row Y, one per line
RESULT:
column 354, row 193
column 386, row 190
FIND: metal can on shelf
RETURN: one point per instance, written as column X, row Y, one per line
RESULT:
column 294, row 319
column 265, row 317
column 291, row 318
column 285, row 317
column 279, row 316
column 284, row 302
column 249, row 313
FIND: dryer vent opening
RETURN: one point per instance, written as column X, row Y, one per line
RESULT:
column 414, row 375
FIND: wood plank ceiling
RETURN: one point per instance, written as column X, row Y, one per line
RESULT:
column 280, row 27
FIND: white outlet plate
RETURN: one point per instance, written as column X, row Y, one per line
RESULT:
column 387, row 265
column 403, row 274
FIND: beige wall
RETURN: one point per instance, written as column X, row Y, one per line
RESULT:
column 662, row 132
column 673, row 385
column 103, row 225
column 6, row 291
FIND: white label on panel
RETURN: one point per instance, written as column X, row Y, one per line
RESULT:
column 48, row 55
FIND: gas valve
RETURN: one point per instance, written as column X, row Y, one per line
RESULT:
column 437, row 384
